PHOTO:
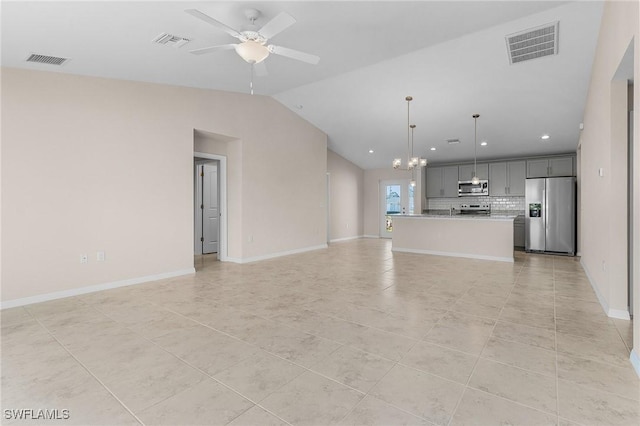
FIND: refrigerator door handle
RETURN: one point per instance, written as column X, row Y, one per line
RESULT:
column 546, row 209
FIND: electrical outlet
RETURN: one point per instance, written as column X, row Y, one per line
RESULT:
column 250, row 239
column 604, row 265
column 100, row 256
column 84, row 258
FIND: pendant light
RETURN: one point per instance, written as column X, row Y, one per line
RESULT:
column 412, row 162
column 475, row 180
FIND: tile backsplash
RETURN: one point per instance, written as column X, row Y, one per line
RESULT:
column 497, row 203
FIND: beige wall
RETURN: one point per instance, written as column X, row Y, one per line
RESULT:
column 94, row 164
column 372, row 179
column 603, row 199
column 346, row 198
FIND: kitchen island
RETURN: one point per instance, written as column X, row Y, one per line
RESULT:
column 488, row 237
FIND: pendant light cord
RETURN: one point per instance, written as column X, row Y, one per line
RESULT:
column 475, row 145
column 408, row 131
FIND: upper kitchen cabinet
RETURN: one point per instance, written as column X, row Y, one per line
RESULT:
column 442, row 182
column 550, row 167
column 465, row 172
column 507, row 178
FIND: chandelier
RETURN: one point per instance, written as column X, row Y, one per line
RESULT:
column 412, row 161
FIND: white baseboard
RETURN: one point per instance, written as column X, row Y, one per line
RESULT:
column 619, row 314
column 274, row 255
column 93, row 288
column 613, row 313
column 337, row 240
column 635, row 361
column 445, row 253
column 371, row 236
column 601, row 299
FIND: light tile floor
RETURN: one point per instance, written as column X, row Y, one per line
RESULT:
column 352, row 335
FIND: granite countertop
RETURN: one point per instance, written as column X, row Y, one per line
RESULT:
column 458, row 216
column 456, row 212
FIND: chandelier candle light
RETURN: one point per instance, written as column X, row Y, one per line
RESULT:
column 412, row 162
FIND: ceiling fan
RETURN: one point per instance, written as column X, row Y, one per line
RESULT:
column 253, row 46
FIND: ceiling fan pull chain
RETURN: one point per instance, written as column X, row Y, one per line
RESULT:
column 251, row 83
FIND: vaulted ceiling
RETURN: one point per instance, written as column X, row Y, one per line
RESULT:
column 450, row 56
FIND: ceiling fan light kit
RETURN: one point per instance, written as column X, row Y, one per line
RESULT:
column 252, row 51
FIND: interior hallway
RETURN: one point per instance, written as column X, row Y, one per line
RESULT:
column 353, row 334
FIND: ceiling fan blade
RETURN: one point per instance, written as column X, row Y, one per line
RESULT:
column 212, row 49
column 209, row 20
column 294, row 54
column 261, row 69
column 277, row 25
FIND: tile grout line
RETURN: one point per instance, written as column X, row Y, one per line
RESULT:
column 88, row 370
column 555, row 343
column 208, row 375
column 475, row 365
column 307, row 369
column 368, row 393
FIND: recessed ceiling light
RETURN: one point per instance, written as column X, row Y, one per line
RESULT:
column 544, row 137
column 483, row 143
column 370, row 151
column 433, row 148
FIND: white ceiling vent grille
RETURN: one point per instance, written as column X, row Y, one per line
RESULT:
column 533, row 43
column 453, row 141
column 171, row 40
column 44, row 59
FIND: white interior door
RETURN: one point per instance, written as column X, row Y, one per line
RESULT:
column 394, row 197
column 210, row 210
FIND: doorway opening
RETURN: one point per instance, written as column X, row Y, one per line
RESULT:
column 396, row 197
column 210, row 208
column 207, row 206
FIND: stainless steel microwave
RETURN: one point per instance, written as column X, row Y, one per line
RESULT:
column 467, row 188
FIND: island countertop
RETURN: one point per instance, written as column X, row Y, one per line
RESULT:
column 458, row 216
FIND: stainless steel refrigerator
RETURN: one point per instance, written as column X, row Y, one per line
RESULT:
column 550, row 215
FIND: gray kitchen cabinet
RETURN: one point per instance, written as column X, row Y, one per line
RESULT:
column 442, row 182
column 507, row 178
column 518, row 232
column 550, row 167
column 517, row 173
column 498, row 179
column 465, row 172
column 561, row 166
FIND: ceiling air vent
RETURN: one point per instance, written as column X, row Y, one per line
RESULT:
column 533, row 43
column 171, row 40
column 453, row 141
column 44, row 59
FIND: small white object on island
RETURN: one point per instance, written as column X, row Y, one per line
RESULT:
column 476, row 237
